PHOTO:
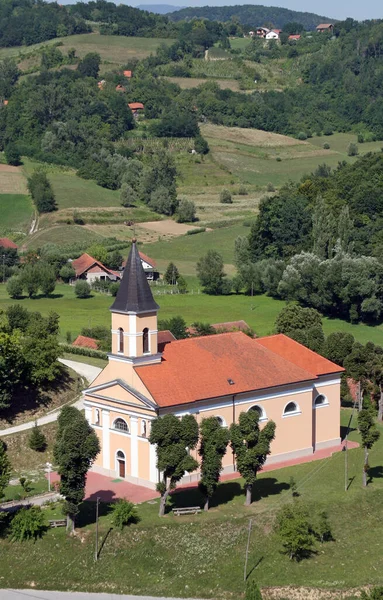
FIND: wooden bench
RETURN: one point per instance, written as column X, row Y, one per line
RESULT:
column 186, row 510
column 57, row 523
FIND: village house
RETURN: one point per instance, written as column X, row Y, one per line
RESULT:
column 220, row 375
column 325, row 27
column 273, row 34
column 149, row 266
column 83, row 341
column 261, row 32
column 7, row 243
column 294, row 37
column 136, row 108
column 88, row 268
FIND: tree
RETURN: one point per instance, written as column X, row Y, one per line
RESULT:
column 338, row 346
column 251, row 447
column 76, row 448
column 294, row 529
column 37, row 440
column 30, row 279
column 352, row 150
column 28, row 524
column 201, row 329
column 200, row 145
column 82, row 289
column 171, row 274
column 225, row 197
column 9, row 74
column 355, row 364
column 47, row 278
column 89, row 66
column 177, row 325
column 12, row 154
column 67, row 272
column 210, row 272
column 123, row 513
column 186, row 211
column 174, row 438
column 323, row 528
column 252, row 591
column 303, row 325
column 182, row 285
column 5, row 468
column 213, row 446
column 128, row 196
column 13, row 366
column 369, row 434
column 114, row 260
column 15, row 286
column 162, row 201
column 41, row 191
column 99, row 252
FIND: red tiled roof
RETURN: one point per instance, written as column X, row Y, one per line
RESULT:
column 324, row 26
column 136, row 105
column 294, row 37
column 299, row 355
column 7, row 243
column 163, row 338
column 127, row 74
column 86, row 342
column 224, row 327
column 85, row 262
column 202, row 367
column 147, row 259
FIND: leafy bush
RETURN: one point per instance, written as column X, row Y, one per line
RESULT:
column 352, row 150
column 360, row 138
column 328, row 131
column 294, row 530
column 200, row 145
column 67, row 272
column 123, row 513
column 37, row 440
column 113, row 288
column 82, row 289
column 41, row 191
column 28, row 524
column 84, row 351
column 252, row 591
column 12, row 154
column 196, row 230
column 270, row 187
column 225, row 197
column 186, row 211
column 302, row 136
column 242, row 191
column 15, row 287
column 278, row 159
column 326, row 146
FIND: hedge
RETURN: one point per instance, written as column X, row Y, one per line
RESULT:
column 84, row 351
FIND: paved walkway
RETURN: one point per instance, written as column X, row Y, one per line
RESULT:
column 41, row 595
column 89, row 372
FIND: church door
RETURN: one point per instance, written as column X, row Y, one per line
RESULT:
column 121, row 464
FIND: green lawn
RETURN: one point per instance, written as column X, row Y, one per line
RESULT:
column 62, row 235
column 259, row 312
column 73, row 192
column 203, row 556
column 16, row 212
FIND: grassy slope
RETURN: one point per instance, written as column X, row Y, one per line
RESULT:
column 16, row 212
column 259, row 312
column 203, row 556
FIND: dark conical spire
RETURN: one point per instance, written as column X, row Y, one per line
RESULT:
column 134, row 294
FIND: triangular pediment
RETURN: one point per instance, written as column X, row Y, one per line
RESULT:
column 118, row 390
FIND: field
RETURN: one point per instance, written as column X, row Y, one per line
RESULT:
column 203, row 555
column 259, row 312
column 114, row 50
column 16, row 212
column 191, row 82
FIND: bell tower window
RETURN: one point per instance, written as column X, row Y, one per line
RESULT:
column 121, row 340
column 145, row 340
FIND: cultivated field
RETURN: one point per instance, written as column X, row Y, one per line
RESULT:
column 191, row 82
column 251, row 137
column 12, row 180
column 212, row 545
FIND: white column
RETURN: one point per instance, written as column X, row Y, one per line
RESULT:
column 105, row 439
column 132, row 335
column 134, row 446
column 153, row 463
column 88, row 414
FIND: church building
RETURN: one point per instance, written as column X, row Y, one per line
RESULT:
column 219, row 375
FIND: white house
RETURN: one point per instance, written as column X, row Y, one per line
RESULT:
column 273, row 34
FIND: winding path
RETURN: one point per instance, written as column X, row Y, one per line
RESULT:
column 50, row 595
column 89, row 372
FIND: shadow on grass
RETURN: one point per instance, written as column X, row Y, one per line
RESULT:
column 47, row 296
column 344, row 430
column 268, row 486
column 254, row 567
column 375, row 473
column 87, row 514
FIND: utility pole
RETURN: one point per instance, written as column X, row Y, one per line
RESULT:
column 96, row 549
column 345, row 464
column 3, row 268
column 49, row 470
column 247, row 551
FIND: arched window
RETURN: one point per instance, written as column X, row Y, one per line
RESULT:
column 121, row 340
column 143, row 428
column 145, row 340
column 320, row 400
column 120, row 454
column 259, row 410
column 291, row 408
column 221, row 421
column 120, row 460
column 121, row 425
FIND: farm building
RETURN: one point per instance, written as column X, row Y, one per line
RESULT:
column 325, row 27
column 273, row 34
column 149, row 266
column 294, row 37
column 7, row 243
column 136, row 108
column 220, row 375
column 83, row 341
column 261, row 32
column 88, row 268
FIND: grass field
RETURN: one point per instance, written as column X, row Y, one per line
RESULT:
column 191, row 82
column 16, row 212
column 62, row 235
column 259, row 312
column 203, row 556
column 73, row 192
column 115, row 50
column 251, row 155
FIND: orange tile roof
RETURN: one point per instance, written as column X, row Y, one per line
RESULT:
column 299, row 355
column 163, row 338
column 203, row 367
column 135, row 105
column 85, row 262
column 144, row 257
column 127, row 74
column 324, row 26
column 85, row 342
column 7, row 243
column 224, row 327
column 294, row 36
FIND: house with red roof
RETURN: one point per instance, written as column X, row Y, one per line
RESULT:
column 294, row 37
column 7, row 243
column 219, row 376
column 325, row 27
column 273, row 34
column 83, row 341
column 88, row 268
column 149, row 265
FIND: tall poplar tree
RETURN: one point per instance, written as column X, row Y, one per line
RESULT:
column 369, row 434
column 213, row 446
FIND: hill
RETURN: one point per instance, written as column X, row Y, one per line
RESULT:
column 251, row 15
column 159, row 9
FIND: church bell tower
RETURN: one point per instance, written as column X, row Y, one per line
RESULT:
column 134, row 316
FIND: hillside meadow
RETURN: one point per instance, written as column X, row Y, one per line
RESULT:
column 212, row 545
column 259, row 312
